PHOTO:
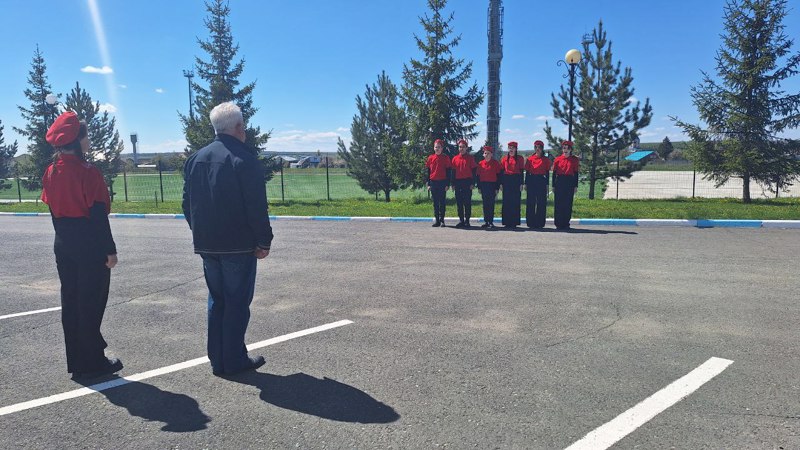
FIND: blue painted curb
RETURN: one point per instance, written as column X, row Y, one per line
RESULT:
column 700, row 223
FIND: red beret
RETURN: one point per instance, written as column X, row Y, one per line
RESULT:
column 462, row 141
column 487, row 148
column 64, row 130
column 513, row 144
column 438, row 141
column 538, row 143
column 567, row 143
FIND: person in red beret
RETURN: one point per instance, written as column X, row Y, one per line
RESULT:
column 84, row 247
column 464, row 167
column 512, row 182
column 565, row 184
column 488, row 174
column 437, row 168
column 537, row 177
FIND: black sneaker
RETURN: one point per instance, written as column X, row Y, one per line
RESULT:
column 460, row 225
column 485, row 225
column 113, row 365
column 436, row 224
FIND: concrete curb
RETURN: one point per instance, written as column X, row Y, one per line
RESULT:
column 699, row 223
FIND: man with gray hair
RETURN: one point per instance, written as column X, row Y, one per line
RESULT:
column 225, row 203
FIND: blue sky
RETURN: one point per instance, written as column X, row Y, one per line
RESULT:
column 311, row 58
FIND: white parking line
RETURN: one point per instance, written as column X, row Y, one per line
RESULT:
column 156, row 372
column 624, row 424
column 8, row 316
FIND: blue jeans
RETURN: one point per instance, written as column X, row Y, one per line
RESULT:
column 231, row 281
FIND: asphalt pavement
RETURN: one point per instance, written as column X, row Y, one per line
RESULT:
column 459, row 338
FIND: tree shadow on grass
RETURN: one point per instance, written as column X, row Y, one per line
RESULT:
column 325, row 398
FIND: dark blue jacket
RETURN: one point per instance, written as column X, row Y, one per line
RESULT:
column 225, row 198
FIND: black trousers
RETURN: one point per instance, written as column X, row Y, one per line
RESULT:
column 488, row 195
column 85, row 282
column 563, row 195
column 511, row 199
column 439, row 195
column 536, row 202
column 463, row 198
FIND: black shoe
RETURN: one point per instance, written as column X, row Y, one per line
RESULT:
column 113, row 365
column 492, row 226
column 437, row 224
column 255, row 363
column 460, row 225
column 466, row 224
column 442, row 225
column 485, row 225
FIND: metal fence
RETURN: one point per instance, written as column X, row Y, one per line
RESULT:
column 324, row 182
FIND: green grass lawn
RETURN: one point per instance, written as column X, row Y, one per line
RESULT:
column 778, row 209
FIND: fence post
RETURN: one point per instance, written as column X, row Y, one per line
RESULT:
column 111, row 188
column 125, row 182
column 618, row 172
column 19, row 190
column 155, row 197
column 327, row 178
column 160, row 181
column 283, row 195
column 694, row 175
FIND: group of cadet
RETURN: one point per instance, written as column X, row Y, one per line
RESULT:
column 512, row 174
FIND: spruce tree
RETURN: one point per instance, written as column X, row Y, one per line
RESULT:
column 106, row 144
column 38, row 115
column 744, row 109
column 604, row 119
column 7, row 152
column 441, row 103
column 378, row 133
column 664, row 148
column 221, row 75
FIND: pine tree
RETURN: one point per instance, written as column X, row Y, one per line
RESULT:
column 378, row 132
column 7, row 153
column 604, row 117
column 432, row 92
column 106, row 144
column 664, row 148
column 222, row 77
column 744, row 108
column 38, row 116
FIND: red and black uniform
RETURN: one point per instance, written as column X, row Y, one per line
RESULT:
column 79, row 205
column 438, row 179
column 537, row 176
column 488, row 175
column 464, row 167
column 512, row 180
column 565, row 180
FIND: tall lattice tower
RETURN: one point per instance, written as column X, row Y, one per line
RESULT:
column 495, row 32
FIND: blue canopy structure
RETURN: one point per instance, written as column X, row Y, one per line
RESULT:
column 638, row 156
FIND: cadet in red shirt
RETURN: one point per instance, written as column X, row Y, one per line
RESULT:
column 565, row 184
column 438, row 180
column 488, row 175
column 537, row 176
column 464, row 167
column 85, row 251
column 512, row 182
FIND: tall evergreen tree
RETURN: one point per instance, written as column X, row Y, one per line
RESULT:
column 604, row 118
column 38, row 116
column 221, row 75
column 378, row 133
column 7, row 152
column 106, row 144
column 440, row 102
column 665, row 148
column 744, row 109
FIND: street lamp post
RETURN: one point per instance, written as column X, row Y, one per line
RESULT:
column 189, row 75
column 573, row 57
column 51, row 101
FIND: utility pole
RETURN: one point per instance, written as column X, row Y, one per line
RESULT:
column 189, row 74
column 495, row 33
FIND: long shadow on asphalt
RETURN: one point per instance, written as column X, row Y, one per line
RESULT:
column 179, row 413
column 325, row 398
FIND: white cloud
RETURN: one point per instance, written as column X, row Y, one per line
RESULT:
column 544, row 118
column 538, row 134
column 307, row 140
column 343, row 130
column 108, row 107
column 517, row 116
column 159, row 90
column 633, row 100
column 170, row 145
column 105, row 70
column 123, row 86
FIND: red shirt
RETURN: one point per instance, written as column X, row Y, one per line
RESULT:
column 513, row 166
column 438, row 165
column 538, row 165
column 488, row 169
column 71, row 186
column 463, row 165
column 566, row 165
